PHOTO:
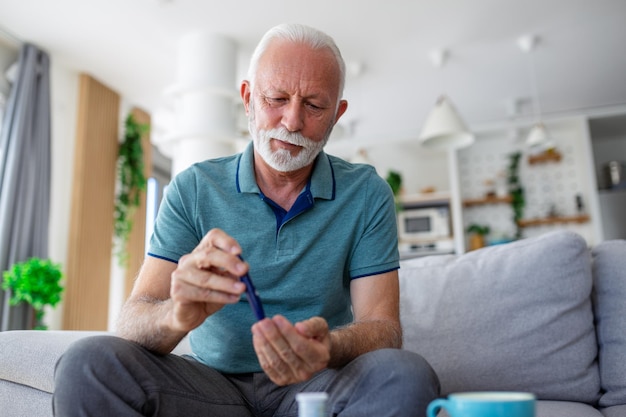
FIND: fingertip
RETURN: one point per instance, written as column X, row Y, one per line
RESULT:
column 241, row 267
column 279, row 317
column 302, row 329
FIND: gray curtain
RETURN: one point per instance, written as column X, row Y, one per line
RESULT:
column 25, row 173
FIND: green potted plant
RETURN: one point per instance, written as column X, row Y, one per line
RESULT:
column 477, row 234
column 394, row 179
column 36, row 282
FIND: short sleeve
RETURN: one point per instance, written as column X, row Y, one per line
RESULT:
column 377, row 249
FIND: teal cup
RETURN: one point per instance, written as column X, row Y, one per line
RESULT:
column 485, row 404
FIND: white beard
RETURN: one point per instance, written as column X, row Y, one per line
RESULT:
column 282, row 160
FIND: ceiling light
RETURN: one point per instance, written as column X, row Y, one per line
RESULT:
column 538, row 139
column 444, row 129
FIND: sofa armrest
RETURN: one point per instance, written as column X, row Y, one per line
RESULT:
column 29, row 356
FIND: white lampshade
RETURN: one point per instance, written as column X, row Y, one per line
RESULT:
column 444, row 129
column 538, row 139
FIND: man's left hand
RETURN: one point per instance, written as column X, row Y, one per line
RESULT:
column 291, row 353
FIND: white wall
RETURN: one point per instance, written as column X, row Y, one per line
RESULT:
column 548, row 186
column 64, row 105
column 420, row 169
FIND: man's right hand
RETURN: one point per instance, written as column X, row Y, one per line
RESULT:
column 206, row 280
column 169, row 299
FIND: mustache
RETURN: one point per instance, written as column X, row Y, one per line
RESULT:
column 282, row 134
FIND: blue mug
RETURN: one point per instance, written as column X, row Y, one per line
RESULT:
column 485, row 404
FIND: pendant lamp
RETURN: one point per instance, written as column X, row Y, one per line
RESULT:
column 538, row 139
column 444, row 129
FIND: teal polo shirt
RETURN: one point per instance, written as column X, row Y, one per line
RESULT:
column 342, row 227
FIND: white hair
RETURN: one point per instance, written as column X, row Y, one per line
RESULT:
column 298, row 33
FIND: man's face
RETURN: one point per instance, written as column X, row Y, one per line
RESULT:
column 294, row 104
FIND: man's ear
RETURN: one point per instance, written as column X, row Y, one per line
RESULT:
column 341, row 109
column 245, row 92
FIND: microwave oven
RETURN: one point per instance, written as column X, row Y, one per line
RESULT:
column 425, row 223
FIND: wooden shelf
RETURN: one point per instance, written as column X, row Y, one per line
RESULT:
column 544, row 157
column 583, row 218
column 487, row 200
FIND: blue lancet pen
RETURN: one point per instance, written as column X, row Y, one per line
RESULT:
column 253, row 296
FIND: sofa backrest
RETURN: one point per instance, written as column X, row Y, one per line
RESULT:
column 510, row 317
column 609, row 303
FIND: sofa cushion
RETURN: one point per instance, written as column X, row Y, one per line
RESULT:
column 615, row 411
column 565, row 409
column 609, row 300
column 20, row 400
column 510, row 317
column 29, row 357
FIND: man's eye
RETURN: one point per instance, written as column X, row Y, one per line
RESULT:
column 275, row 100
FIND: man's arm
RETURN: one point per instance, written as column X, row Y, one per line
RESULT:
column 376, row 307
column 168, row 299
column 143, row 315
column 293, row 353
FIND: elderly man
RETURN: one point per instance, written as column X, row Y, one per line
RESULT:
column 319, row 238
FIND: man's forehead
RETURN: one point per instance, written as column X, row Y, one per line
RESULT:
column 284, row 62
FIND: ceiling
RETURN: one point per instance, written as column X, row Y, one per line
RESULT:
column 579, row 63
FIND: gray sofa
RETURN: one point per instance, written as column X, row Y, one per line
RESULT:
column 545, row 315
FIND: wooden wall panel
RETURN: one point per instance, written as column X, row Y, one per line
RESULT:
column 91, row 224
column 136, row 241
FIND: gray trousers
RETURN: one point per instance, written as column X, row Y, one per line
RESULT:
column 109, row 376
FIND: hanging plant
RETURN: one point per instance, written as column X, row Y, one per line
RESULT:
column 131, row 183
column 518, row 200
column 36, row 282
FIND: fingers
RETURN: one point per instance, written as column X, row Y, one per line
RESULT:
column 217, row 238
column 286, row 355
column 204, row 286
column 212, row 268
column 206, row 280
column 211, row 276
column 315, row 327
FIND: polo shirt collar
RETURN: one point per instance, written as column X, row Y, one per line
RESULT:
column 322, row 182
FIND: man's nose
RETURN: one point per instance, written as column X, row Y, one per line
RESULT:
column 293, row 116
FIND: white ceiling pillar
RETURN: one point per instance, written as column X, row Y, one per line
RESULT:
column 203, row 124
